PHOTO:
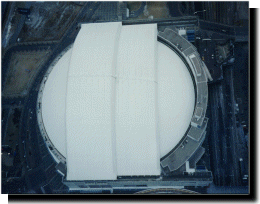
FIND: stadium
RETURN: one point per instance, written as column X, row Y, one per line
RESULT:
column 123, row 107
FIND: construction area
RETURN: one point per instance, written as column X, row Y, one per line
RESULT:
column 152, row 10
column 22, row 69
column 48, row 21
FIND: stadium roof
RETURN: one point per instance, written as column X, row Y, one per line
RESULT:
column 116, row 102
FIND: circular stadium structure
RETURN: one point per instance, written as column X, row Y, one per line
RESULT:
column 124, row 101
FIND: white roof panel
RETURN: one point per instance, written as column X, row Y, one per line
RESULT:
column 90, row 108
column 90, row 129
column 137, row 52
column 137, row 146
column 95, row 50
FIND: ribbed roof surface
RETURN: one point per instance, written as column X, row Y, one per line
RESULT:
column 122, row 100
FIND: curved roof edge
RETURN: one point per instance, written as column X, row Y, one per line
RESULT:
column 196, row 133
column 58, row 157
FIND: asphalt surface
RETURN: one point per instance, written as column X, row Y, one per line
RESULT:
column 239, row 33
column 216, row 27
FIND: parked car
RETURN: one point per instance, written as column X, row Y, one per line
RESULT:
column 6, row 148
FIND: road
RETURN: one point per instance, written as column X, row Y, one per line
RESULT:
column 239, row 33
column 216, row 27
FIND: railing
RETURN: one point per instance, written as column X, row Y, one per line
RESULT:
column 195, row 135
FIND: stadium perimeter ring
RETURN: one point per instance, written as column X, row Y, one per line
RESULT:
column 194, row 135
